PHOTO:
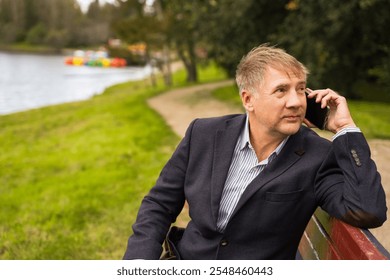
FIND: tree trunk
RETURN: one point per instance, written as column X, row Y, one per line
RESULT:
column 189, row 61
column 167, row 72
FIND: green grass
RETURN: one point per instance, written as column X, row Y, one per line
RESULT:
column 228, row 94
column 72, row 176
column 371, row 117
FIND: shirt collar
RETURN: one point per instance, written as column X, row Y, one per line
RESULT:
column 245, row 140
column 244, row 137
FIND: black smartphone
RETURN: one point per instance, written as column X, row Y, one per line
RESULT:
column 315, row 114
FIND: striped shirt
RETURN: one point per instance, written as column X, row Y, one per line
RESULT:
column 346, row 130
column 243, row 169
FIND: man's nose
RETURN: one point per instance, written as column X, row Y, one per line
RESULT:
column 295, row 99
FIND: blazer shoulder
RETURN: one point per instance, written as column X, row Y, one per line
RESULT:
column 311, row 140
column 215, row 123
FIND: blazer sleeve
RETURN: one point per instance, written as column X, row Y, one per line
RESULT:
column 348, row 185
column 160, row 206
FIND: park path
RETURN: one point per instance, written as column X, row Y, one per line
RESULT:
column 180, row 106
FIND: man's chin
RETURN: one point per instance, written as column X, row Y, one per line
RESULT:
column 291, row 129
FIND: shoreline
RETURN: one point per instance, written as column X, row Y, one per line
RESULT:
column 22, row 49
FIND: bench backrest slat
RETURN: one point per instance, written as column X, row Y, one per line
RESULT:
column 331, row 239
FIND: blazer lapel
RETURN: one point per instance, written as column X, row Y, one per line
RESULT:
column 224, row 144
column 290, row 155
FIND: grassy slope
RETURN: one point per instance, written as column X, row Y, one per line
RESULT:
column 72, row 176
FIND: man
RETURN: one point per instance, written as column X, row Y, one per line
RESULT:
column 253, row 181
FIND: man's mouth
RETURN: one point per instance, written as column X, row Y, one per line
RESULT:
column 292, row 117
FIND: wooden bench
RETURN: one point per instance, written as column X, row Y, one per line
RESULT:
column 327, row 238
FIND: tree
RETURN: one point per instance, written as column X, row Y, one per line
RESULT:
column 233, row 27
column 345, row 44
column 58, row 23
column 182, row 21
column 12, row 20
column 167, row 24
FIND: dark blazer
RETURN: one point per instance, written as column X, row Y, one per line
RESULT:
column 275, row 208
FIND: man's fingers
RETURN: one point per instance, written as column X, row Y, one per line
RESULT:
column 323, row 96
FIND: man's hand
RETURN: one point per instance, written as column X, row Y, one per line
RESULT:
column 339, row 116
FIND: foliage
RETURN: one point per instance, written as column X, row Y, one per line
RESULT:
column 133, row 25
column 183, row 31
column 36, row 34
column 162, row 26
column 342, row 43
column 57, row 23
column 232, row 28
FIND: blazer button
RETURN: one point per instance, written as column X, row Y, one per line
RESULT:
column 356, row 157
column 224, row 242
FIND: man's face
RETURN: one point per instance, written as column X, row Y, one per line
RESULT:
column 280, row 105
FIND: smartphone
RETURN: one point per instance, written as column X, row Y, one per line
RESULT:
column 315, row 114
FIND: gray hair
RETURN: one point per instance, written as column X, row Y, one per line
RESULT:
column 251, row 69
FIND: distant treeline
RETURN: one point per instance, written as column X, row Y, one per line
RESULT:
column 344, row 43
column 57, row 23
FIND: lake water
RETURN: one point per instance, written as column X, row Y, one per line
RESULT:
column 32, row 81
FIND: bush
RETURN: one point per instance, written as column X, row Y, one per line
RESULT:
column 57, row 38
column 36, row 35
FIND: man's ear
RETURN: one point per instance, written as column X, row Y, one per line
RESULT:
column 247, row 100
